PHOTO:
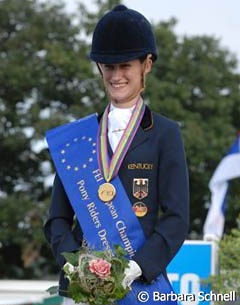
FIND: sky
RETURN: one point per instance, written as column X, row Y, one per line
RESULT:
column 217, row 18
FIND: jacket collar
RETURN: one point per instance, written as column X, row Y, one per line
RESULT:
column 140, row 136
column 147, row 119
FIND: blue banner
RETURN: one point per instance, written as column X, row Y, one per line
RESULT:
column 193, row 264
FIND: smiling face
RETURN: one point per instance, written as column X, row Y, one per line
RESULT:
column 124, row 81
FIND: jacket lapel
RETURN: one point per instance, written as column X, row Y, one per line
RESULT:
column 140, row 138
column 141, row 135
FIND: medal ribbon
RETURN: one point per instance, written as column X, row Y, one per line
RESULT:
column 110, row 168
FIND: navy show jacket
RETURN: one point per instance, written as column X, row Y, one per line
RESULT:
column 157, row 154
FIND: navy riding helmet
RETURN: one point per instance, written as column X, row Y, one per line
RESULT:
column 122, row 35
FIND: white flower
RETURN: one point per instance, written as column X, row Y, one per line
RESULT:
column 68, row 268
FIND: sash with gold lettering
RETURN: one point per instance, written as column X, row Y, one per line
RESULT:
column 73, row 148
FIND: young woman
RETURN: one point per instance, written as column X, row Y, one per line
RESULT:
column 148, row 154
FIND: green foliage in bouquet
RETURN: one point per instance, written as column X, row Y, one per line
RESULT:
column 95, row 277
column 228, row 277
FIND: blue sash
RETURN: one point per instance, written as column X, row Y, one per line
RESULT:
column 73, row 149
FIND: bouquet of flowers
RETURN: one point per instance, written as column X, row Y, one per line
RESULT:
column 95, row 277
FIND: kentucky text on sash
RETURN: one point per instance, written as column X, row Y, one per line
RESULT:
column 74, row 151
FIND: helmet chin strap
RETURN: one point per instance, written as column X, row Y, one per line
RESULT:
column 134, row 94
column 149, row 57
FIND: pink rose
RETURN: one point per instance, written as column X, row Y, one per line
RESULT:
column 100, row 267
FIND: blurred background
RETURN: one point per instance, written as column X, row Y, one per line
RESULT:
column 46, row 80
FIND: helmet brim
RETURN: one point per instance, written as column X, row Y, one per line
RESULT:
column 119, row 58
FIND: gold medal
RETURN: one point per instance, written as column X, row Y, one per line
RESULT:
column 140, row 209
column 106, row 192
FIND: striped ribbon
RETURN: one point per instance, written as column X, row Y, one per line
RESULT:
column 110, row 168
